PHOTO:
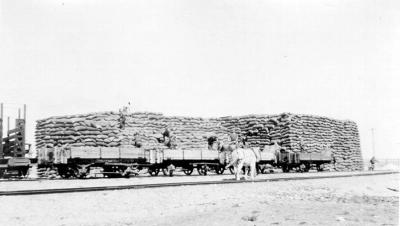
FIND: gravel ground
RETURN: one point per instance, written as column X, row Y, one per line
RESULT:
column 368, row 200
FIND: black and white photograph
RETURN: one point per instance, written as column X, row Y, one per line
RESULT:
column 199, row 112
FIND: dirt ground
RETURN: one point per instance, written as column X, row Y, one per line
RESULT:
column 367, row 200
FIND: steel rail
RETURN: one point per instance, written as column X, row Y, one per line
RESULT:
column 176, row 184
column 95, row 178
column 145, row 175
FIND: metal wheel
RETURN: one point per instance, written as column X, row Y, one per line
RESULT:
column 154, row 171
column 285, row 169
column 62, row 171
column 68, row 174
column 74, row 173
column 24, row 171
column 188, row 171
column 165, row 171
column 65, row 174
column 307, row 168
column 169, row 170
column 219, row 169
column 202, row 170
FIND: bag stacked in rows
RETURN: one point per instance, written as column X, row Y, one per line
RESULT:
column 297, row 133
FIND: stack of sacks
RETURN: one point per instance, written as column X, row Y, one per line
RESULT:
column 190, row 133
column 141, row 129
column 298, row 133
column 302, row 133
column 259, row 130
column 97, row 130
column 315, row 134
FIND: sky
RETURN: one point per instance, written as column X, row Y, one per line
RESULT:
column 334, row 58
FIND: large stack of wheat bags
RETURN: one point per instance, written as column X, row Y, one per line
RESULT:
column 298, row 133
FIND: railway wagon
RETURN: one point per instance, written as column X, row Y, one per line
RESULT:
column 123, row 161
column 203, row 160
column 110, row 161
column 302, row 161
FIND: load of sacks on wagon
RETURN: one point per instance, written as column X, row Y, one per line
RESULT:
column 259, row 130
column 80, row 130
column 142, row 128
column 314, row 134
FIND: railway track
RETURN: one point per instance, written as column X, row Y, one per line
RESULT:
column 94, row 178
column 132, row 176
column 176, row 184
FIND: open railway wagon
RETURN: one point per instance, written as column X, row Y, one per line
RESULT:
column 203, row 160
column 98, row 161
column 302, row 162
column 122, row 161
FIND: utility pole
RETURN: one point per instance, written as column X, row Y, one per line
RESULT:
column 373, row 141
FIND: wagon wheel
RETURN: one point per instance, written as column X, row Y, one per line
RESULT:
column 154, row 171
column 202, row 169
column 285, row 169
column 169, row 170
column 165, row 171
column 24, row 171
column 307, row 168
column 188, row 171
column 219, row 170
column 65, row 173
column 74, row 172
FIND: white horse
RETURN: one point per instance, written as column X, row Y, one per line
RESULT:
column 240, row 157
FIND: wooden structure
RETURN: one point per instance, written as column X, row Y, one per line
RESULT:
column 13, row 147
